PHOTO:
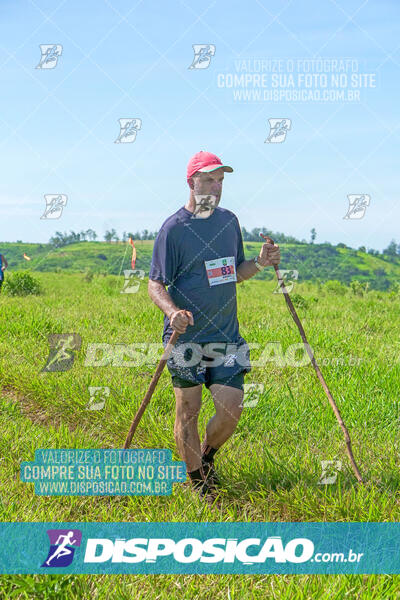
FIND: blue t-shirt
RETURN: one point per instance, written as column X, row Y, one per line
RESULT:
column 180, row 249
column 1, row 272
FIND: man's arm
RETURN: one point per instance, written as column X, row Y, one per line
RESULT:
column 179, row 319
column 269, row 255
column 246, row 270
column 4, row 262
column 161, row 297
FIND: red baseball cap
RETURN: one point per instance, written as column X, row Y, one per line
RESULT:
column 205, row 162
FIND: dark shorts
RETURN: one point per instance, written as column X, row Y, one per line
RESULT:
column 197, row 364
column 235, row 381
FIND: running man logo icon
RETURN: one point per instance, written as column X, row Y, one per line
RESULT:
column 128, row 130
column 132, row 280
column 357, row 205
column 61, row 353
column 278, row 129
column 98, row 396
column 63, row 543
column 202, row 55
column 205, row 204
column 330, row 469
column 252, row 393
column 288, row 277
column 54, row 206
column 50, row 54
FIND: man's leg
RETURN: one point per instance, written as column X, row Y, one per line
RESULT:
column 227, row 401
column 188, row 404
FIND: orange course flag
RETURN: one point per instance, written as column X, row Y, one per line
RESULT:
column 133, row 261
column 26, row 257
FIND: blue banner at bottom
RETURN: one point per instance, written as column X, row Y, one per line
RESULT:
column 155, row 548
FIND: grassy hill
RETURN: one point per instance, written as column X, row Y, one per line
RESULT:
column 314, row 262
column 270, row 468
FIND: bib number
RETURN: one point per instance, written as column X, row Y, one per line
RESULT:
column 221, row 270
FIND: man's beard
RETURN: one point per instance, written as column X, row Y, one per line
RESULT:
column 205, row 205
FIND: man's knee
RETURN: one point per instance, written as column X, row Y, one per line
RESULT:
column 228, row 401
column 188, row 404
column 235, row 408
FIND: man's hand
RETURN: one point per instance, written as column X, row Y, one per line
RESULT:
column 270, row 255
column 180, row 319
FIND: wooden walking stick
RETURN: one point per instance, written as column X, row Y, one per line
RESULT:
column 151, row 389
column 317, row 369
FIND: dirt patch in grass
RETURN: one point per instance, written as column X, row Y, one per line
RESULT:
column 34, row 412
column 106, row 433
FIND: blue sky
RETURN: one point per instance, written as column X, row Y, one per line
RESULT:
column 125, row 59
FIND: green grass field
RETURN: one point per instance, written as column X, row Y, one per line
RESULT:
column 270, row 467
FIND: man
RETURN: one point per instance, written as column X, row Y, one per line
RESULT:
column 199, row 255
column 3, row 267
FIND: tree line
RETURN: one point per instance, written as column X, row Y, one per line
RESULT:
column 111, row 235
column 64, row 238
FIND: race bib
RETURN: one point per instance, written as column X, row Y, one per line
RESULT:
column 221, row 270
